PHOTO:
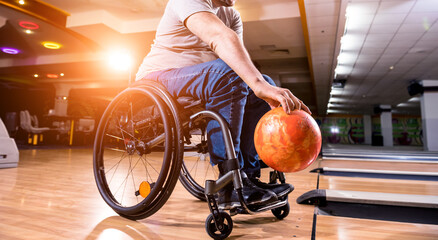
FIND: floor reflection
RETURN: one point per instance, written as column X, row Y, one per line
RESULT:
column 116, row 227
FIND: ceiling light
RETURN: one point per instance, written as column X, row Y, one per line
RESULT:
column 338, row 100
column 404, row 105
column 353, row 10
column 21, row 2
column 336, row 91
column 335, row 111
column 351, row 42
column 35, row 75
column 414, row 99
column 12, row 51
column 51, row 75
column 391, row 68
column 331, row 105
column 28, row 31
column 342, row 70
column 61, row 74
column 346, row 58
column 51, row 45
column 28, row 25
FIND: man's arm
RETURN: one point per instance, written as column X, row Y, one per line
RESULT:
column 228, row 46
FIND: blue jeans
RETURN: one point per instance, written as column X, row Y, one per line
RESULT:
column 224, row 92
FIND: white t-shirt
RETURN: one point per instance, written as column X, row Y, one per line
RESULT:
column 175, row 46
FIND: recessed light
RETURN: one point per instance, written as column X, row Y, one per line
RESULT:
column 392, row 67
column 21, row 2
column 51, row 75
column 28, row 25
column 12, row 51
column 61, row 74
column 35, row 75
column 28, row 31
column 51, row 45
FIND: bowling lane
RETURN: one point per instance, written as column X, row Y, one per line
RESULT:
column 378, row 185
column 330, row 227
column 338, row 227
column 372, row 153
column 381, row 165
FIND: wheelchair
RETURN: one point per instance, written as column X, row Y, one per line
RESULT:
column 146, row 141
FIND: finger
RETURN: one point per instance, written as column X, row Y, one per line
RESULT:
column 285, row 104
column 306, row 109
column 297, row 102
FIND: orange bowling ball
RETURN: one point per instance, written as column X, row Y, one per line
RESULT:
column 287, row 143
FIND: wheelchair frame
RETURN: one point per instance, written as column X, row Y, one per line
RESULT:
column 219, row 223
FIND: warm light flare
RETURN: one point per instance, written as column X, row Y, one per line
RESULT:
column 120, row 60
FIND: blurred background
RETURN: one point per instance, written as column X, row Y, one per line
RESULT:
column 363, row 67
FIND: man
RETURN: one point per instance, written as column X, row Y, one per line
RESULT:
column 198, row 51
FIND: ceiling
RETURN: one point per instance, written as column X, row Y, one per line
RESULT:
column 385, row 45
column 397, row 34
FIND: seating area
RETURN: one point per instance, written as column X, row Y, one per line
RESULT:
column 30, row 125
column 57, row 130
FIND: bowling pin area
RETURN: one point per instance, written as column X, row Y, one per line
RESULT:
column 350, row 192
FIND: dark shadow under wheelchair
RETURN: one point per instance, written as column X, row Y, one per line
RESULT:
column 146, row 141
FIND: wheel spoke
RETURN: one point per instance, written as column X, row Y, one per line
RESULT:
column 127, row 174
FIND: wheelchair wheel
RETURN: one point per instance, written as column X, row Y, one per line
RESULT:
column 281, row 212
column 196, row 167
column 137, row 153
column 227, row 225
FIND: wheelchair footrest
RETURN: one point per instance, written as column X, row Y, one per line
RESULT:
column 262, row 208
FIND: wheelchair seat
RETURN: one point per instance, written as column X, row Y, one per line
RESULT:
column 189, row 102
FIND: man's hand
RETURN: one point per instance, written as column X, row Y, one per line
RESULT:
column 276, row 96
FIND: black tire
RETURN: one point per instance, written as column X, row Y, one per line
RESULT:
column 281, row 212
column 196, row 167
column 136, row 118
column 213, row 232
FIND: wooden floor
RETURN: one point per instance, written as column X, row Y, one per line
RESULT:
column 52, row 195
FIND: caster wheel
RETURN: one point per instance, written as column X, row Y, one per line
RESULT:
column 211, row 229
column 281, row 212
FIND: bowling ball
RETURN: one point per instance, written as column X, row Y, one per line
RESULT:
column 287, row 143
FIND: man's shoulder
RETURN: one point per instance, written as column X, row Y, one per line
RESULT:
column 184, row 8
column 191, row 2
